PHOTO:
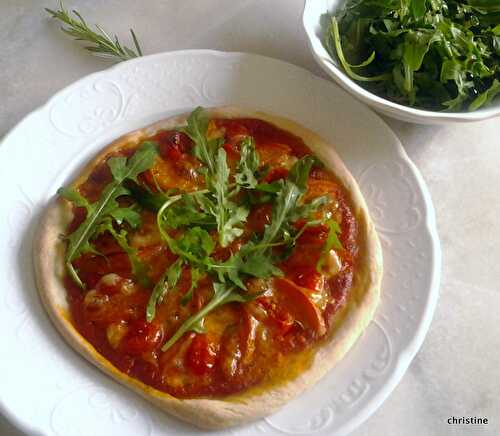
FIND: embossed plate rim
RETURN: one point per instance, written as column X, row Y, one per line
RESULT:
column 405, row 354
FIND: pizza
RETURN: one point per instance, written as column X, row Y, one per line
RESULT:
column 218, row 263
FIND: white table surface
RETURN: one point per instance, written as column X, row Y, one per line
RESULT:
column 457, row 371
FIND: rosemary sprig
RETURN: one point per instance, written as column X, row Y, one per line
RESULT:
column 103, row 44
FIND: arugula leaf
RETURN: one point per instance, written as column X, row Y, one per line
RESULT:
column 335, row 35
column 247, row 165
column 415, row 47
column 229, row 231
column 107, row 205
column 259, row 265
column 197, row 242
column 139, row 269
column 486, row 97
column 252, row 260
column 187, row 212
column 299, row 173
column 195, row 277
column 140, row 161
column 288, row 196
column 75, row 197
column 223, row 294
column 197, row 127
column 418, row 8
column 128, row 215
column 145, row 198
column 216, row 201
column 229, row 217
column 332, row 241
column 286, row 201
column 167, row 282
column 287, row 207
column 307, row 209
column 270, row 188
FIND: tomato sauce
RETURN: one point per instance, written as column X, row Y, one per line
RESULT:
column 291, row 315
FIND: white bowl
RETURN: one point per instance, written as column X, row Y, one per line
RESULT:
column 313, row 11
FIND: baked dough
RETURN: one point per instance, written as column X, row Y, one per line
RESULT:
column 254, row 403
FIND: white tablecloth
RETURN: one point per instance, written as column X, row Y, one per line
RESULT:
column 457, row 371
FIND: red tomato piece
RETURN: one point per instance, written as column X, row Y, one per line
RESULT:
column 308, row 277
column 92, row 267
column 105, row 244
column 79, row 215
column 232, row 149
column 276, row 174
column 91, row 189
column 142, row 337
column 200, row 357
column 259, row 217
column 173, row 144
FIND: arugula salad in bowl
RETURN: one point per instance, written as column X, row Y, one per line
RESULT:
column 416, row 60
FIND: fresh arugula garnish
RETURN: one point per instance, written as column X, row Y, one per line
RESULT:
column 247, row 165
column 228, row 216
column 187, row 212
column 196, row 275
column 286, row 206
column 252, row 260
column 147, row 199
column 187, row 221
column 197, row 242
column 270, row 188
column 167, row 282
column 223, row 294
column 196, row 129
column 255, row 258
column 139, row 268
column 332, row 241
column 184, row 221
column 434, row 54
column 106, row 206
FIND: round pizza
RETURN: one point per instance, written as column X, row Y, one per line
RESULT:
column 218, row 263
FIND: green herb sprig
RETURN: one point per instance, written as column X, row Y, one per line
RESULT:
column 228, row 215
column 106, row 210
column 223, row 294
column 102, row 44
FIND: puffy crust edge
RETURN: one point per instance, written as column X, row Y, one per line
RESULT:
column 236, row 409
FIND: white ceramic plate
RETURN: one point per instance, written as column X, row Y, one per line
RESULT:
column 47, row 389
column 313, row 10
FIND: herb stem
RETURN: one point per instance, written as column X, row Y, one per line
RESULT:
column 103, row 44
column 197, row 318
column 345, row 64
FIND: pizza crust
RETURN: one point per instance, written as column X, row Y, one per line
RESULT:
column 253, row 404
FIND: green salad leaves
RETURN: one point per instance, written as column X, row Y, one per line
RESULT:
column 432, row 54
